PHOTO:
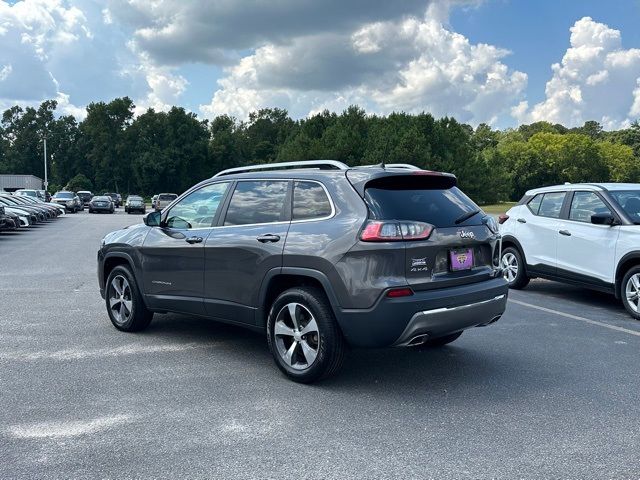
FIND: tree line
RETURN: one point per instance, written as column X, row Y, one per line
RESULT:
column 113, row 150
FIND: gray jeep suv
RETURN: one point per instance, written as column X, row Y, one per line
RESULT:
column 315, row 254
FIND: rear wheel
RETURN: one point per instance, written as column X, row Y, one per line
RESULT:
column 441, row 341
column 303, row 336
column 125, row 306
column 513, row 268
column 630, row 292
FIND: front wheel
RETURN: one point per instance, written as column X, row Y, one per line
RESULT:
column 630, row 292
column 513, row 269
column 303, row 336
column 125, row 306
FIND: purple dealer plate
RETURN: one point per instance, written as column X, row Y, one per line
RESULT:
column 461, row 259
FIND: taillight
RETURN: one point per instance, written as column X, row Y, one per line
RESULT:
column 393, row 231
column 399, row 292
column 503, row 218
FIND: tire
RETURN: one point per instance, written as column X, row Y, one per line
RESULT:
column 138, row 316
column 440, row 341
column 630, row 292
column 305, row 358
column 90, row 211
column 513, row 267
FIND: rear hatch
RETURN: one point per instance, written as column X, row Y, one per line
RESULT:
column 448, row 239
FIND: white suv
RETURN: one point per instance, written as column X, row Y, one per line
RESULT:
column 584, row 234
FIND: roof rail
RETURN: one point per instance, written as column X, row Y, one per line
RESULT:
column 319, row 164
column 408, row 166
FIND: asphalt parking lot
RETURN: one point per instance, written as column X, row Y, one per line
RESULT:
column 550, row 391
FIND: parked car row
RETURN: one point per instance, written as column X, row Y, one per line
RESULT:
column 21, row 211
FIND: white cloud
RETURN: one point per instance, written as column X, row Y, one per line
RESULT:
column 596, row 80
column 5, row 71
column 414, row 64
column 74, row 52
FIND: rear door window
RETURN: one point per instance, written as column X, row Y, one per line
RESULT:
column 551, row 204
column 256, row 202
column 310, row 201
column 439, row 207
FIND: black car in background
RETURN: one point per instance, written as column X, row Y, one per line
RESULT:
column 135, row 203
column 85, row 197
column 115, row 198
column 6, row 221
column 102, row 203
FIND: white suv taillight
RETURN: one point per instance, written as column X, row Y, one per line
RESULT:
column 394, row 231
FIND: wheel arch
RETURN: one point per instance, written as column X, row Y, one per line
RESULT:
column 511, row 241
column 628, row 261
column 278, row 280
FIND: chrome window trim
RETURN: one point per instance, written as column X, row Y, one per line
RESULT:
column 227, row 180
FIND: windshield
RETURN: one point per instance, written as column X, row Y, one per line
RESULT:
column 63, row 195
column 629, row 201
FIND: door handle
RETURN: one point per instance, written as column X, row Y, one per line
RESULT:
column 522, row 220
column 269, row 237
column 193, row 240
column 566, row 233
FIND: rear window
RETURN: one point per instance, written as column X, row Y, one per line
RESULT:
column 437, row 206
column 168, row 197
column 64, row 195
column 257, row 202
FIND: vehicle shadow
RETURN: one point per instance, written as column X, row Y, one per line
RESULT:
column 469, row 366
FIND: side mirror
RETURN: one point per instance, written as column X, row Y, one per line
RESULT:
column 603, row 219
column 153, row 219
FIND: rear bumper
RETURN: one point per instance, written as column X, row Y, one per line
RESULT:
column 426, row 314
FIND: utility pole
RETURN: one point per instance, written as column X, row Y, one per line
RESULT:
column 46, row 180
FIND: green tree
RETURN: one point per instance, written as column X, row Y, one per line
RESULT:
column 79, row 182
column 105, row 142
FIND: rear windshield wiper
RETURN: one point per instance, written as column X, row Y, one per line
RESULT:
column 467, row 216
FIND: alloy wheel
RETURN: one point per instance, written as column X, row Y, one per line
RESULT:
column 632, row 292
column 120, row 302
column 296, row 335
column 509, row 267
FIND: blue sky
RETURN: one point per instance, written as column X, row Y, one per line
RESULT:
column 477, row 60
column 536, row 32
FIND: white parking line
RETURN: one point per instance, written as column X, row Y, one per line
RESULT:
column 576, row 317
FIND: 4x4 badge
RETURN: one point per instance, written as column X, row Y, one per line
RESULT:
column 466, row 234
